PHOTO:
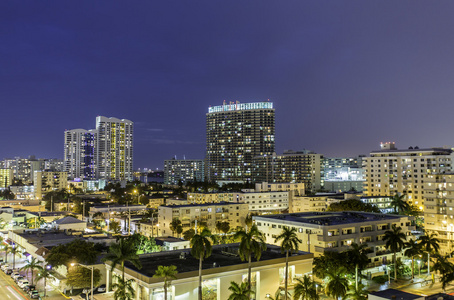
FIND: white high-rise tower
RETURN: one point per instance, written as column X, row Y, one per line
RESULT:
column 114, row 151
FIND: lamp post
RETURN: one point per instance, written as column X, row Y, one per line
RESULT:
column 88, row 267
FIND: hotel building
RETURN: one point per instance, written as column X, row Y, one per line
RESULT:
column 236, row 133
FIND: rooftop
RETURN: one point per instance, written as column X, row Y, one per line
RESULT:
column 240, row 106
column 399, row 295
column 330, row 218
column 204, row 204
column 68, row 220
column 222, row 256
column 435, row 151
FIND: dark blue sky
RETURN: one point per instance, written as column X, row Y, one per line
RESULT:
column 343, row 75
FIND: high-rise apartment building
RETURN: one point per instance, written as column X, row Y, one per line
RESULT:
column 292, row 166
column 79, row 157
column 390, row 171
column 439, row 209
column 114, row 154
column 184, row 170
column 236, row 133
column 102, row 153
column 6, row 177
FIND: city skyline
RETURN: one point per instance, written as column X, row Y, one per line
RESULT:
column 343, row 77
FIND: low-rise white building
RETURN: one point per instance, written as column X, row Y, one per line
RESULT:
column 218, row 271
column 210, row 213
column 336, row 231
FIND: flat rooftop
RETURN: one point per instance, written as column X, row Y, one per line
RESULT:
column 435, row 151
column 205, row 204
column 400, row 295
column 222, row 255
column 330, row 218
column 54, row 237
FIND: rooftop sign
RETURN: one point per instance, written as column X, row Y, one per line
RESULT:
column 240, row 106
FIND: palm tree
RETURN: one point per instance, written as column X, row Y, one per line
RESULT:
column 240, row 291
column 305, row 289
column 399, row 204
column 337, row 283
column 395, row 241
column 356, row 292
column 429, row 243
column 121, row 252
column 32, row 265
column 413, row 249
column 357, row 256
column 7, row 250
column 445, row 267
column 14, row 251
column 45, row 274
column 168, row 273
column 252, row 242
column 289, row 244
column 123, row 289
column 200, row 249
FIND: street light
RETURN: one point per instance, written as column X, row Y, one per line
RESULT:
column 88, row 267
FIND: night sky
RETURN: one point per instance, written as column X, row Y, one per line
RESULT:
column 343, row 75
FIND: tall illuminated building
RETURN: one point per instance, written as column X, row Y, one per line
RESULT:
column 114, row 149
column 236, row 133
column 391, row 171
column 80, row 156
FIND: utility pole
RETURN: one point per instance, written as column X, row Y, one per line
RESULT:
column 51, row 203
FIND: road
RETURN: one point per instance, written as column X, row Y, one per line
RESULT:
column 9, row 290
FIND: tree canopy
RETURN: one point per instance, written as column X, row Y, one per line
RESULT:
column 80, row 277
column 78, row 251
column 353, row 205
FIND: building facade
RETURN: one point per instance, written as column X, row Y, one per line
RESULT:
column 79, row 156
column 218, row 271
column 48, row 181
column 210, row 213
column 336, row 231
column 184, row 170
column 114, row 154
column 439, row 209
column 236, row 133
column 292, row 166
column 390, row 171
column 6, row 178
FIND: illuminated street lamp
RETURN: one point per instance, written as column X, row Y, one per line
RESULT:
column 88, row 267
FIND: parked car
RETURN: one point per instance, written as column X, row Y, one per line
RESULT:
column 23, row 283
column 9, row 271
column 34, row 294
column 14, row 275
column 18, row 278
column 101, row 288
column 29, row 288
column 4, row 267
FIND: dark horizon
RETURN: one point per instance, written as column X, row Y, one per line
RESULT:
column 343, row 76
